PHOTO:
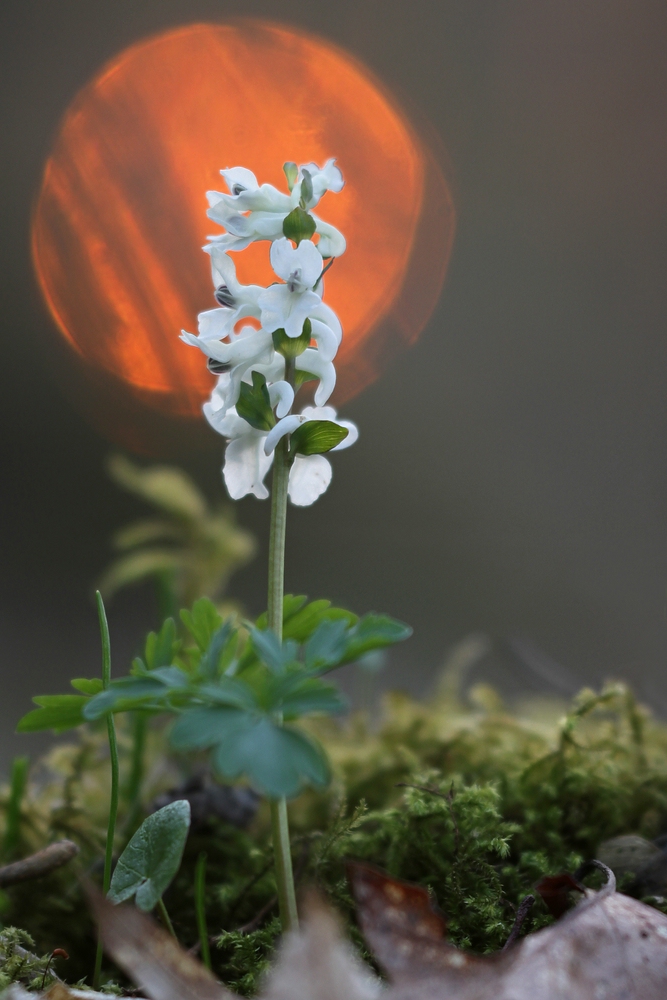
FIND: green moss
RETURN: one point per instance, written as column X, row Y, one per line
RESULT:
column 499, row 800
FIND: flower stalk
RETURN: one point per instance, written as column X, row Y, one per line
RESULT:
column 279, row 821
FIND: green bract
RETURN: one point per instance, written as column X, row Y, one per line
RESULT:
column 254, row 404
column 298, row 225
column 152, row 857
column 292, row 347
column 315, row 437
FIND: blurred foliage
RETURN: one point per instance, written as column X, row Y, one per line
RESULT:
column 463, row 796
column 188, row 550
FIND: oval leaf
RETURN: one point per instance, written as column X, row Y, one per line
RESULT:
column 152, row 857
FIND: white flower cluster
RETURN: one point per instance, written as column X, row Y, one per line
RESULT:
column 261, row 369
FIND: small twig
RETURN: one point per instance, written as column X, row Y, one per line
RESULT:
column 38, row 865
column 521, row 914
column 588, row 866
column 257, row 919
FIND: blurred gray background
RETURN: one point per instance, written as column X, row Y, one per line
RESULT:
column 511, row 475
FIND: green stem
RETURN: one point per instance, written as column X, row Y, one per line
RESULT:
column 113, row 752
column 164, row 917
column 132, row 792
column 200, row 907
column 279, row 822
column 17, row 791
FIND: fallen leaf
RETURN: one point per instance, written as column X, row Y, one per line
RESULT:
column 610, row 947
column 150, row 956
column 317, row 963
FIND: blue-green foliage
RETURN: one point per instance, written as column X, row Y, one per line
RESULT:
column 151, row 859
column 236, row 691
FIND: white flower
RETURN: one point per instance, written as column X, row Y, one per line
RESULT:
column 288, row 306
column 249, row 453
column 326, row 178
column 241, row 354
column 256, row 212
column 236, row 301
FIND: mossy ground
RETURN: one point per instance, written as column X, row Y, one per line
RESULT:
column 473, row 801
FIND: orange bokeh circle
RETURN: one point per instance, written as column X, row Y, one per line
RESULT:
column 120, row 217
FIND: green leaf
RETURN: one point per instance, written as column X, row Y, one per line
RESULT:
column 202, row 621
column 126, row 693
column 327, row 644
column 292, row 347
column 57, row 711
column 171, row 677
column 311, row 696
column 374, row 632
column 315, row 437
column 152, row 857
column 301, row 625
column 298, row 225
column 199, row 728
column 209, row 665
column 291, row 605
column 160, row 646
column 254, row 404
column 271, row 651
column 229, row 691
column 87, row 686
column 278, row 760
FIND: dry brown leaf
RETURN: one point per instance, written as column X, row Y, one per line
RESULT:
column 317, row 963
column 150, row 956
column 610, row 947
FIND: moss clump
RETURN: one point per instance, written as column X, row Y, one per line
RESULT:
column 471, row 800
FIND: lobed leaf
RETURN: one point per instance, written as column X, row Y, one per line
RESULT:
column 57, row 711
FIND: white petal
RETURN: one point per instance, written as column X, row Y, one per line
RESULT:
column 311, row 361
column 309, row 478
column 246, row 465
column 333, row 176
column 319, row 413
column 216, row 324
column 281, row 393
column 223, row 270
column 331, row 242
column 231, row 242
column 283, row 427
column 326, row 314
column 326, row 339
column 309, row 259
column 282, row 255
column 241, row 176
column 228, row 423
column 299, row 307
column 273, row 303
